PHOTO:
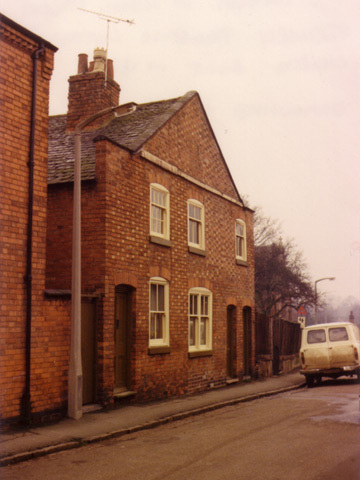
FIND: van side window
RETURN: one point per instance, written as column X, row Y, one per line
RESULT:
column 316, row 336
column 338, row 334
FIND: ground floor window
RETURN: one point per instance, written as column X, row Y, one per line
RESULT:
column 159, row 312
column 200, row 319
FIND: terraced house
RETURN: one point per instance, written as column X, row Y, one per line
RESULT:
column 26, row 65
column 167, row 263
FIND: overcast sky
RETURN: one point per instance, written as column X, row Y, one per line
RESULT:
column 279, row 80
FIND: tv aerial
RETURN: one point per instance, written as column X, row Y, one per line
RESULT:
column 109, row 19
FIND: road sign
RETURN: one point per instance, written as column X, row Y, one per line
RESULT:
column 301, row 311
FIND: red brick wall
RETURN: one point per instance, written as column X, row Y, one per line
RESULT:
column 16, row 91
column 59, row 237
column 50, row 360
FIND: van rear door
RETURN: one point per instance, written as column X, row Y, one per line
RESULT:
column 341, row 351
column 316, row 350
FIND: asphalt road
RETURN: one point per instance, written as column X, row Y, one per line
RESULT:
column 311, row 434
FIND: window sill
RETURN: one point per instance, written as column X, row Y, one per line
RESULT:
column 160, row 241
column 50, row 292
column 159, row 350
column 244, row 263
column 197, row 251
column 200, row 353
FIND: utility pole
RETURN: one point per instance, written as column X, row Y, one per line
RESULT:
column 75, row 381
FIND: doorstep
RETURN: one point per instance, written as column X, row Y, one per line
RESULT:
column 92, row 407
column 126, row 393
column 230, row 381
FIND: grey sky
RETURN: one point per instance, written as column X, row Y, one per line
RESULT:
column 279, row 80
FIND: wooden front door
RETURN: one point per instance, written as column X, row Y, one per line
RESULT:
column 122, row 340
column 247, row 340
column 88, row 350
column 230, row 313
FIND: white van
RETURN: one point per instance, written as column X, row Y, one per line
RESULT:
column 330, row 350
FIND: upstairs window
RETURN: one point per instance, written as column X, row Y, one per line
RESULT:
column 196, row 224
column 200, row 319
column 240, row 240
column 159, row 211
column 159, row 312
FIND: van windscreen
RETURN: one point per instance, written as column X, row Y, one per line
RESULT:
column 316, row 336
column 338, row 334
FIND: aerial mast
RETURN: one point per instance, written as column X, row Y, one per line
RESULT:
column 108, row 19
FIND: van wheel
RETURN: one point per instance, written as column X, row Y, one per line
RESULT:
column 358, row 376
column 318, row 379
column 310, row 380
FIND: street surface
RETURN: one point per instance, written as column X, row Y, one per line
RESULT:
column 311, row 434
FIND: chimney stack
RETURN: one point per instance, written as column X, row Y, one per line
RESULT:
column 92, row 89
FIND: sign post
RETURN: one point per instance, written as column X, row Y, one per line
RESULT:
column 302, row 316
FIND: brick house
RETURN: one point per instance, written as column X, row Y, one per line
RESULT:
column 25, row 71
column 167, row 245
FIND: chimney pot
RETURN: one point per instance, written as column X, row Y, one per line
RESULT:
column 99, row 59
column 83, row 63
column 110, row 70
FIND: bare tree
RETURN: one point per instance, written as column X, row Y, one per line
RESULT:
column 266, row 230
column 281, row 279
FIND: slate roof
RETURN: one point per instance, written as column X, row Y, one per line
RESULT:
column 130, row 131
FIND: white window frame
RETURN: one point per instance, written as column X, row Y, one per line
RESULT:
column 241, row 223
column 197, row 317
column 165, row 234
column 200, row 221
column 164, row 339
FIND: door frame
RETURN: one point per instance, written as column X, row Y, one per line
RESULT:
column 127, row 291
column 230, row 341
column 247, row 341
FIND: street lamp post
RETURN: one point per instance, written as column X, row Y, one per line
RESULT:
column 316, row 297
column 75, row 366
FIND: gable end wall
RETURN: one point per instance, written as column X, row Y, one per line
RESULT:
column 187, row 142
